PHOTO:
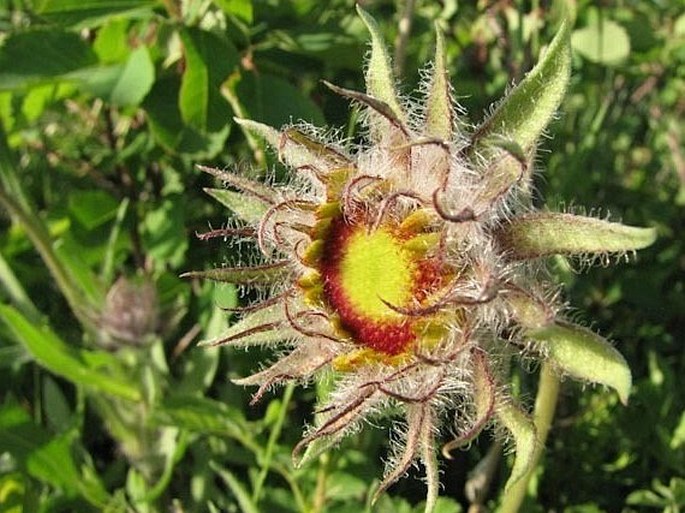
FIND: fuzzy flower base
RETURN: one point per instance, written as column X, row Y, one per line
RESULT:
column 412, row 267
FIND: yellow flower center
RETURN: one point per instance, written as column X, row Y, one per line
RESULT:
column 375, row 268
column 368, row 280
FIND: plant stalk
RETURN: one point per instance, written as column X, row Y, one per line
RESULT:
column 545, row 404
column 402, row 39
column 271, row 444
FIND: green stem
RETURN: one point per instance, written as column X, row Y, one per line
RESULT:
column 107, row 271
column 271, row 444
column 319, row 502
column 285, row 472
column 162, row 483
column 545, row 404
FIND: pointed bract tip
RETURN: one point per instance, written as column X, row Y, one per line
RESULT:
column 365, row 16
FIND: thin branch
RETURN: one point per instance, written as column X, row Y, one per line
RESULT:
column 403, row 33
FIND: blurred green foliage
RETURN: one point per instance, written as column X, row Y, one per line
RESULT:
column 105, row 108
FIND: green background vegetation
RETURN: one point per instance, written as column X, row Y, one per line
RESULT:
column 106, row 106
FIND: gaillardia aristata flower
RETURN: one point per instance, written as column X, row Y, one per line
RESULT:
column 411, row 268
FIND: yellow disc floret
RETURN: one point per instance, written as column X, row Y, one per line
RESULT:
column 375, row 268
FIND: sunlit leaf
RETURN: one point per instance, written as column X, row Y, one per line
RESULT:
column 439, row 114
column 136, row 79
column 111, row 42
column 602, row 41
column 264, row 326
column 53, row 354
column 239, row 8
column 209, row 60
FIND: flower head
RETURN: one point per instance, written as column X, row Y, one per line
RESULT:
column 410, row 267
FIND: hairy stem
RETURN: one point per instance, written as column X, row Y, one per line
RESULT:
column 430, row 461
column 545, row 404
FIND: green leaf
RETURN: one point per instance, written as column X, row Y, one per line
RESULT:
column 247, row 208
column 678, row 438
column 13, row 356
column 44, row 456
column 550, row 233
column 602, row 41
column 270, row 99
column 92, row 208
column 34, row 56
column 13, row 288
column 245, row 502
column 269, row 134
column 163, row 232
column 111, row 42
column 584, row 355
column 37, row 99
column 525, row 111
column 90, row 13
column 308, row 150
column 58, row 414
column 169, row 129
column 447, row 505
column 346, row 486
column 201, row 415
column 209, row 61
column 81, row 276
column 52, row 353
column 523, row 430
column 13, row 492
column 240, row 8
column 135, row 80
